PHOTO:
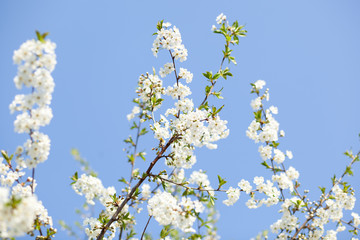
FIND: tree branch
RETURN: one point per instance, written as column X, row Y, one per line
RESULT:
column 131, row 193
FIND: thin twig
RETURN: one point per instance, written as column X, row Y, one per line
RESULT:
column 142, row 235
column 32, row 181
column 214, row 82
column 348, row 223
column 121, row 231
column 134, row 154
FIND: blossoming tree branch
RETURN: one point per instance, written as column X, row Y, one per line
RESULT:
column 180, row 200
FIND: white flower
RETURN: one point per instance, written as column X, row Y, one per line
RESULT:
column 185, row 74
column 292, row 173
column 256, row 103
column 265, row 152
column 258, row 180
column 330, row 235
column 341, row 228
column 17, row 217
column 282, row 133
column 178, row 91
column 90, row 186
column 170, row 39
column 200, row 178
column 273, row 109
column 168, row 68
column 221, row 18
column 356, row 220
column 259, row 84
column 145, row 190
column 251, row 203
column 245, row 186
column 279, row 156
column 166, row 210
column 134, row 111
column 289, row 154
column 283, row 180
column 233, row 195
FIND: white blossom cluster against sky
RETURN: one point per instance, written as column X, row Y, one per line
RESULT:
column 307, row 51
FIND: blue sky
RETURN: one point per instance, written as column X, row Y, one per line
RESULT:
column 307, row 51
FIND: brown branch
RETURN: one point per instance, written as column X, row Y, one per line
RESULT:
column 131, row 193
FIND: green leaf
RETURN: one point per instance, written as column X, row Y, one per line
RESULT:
column 232, row 59
column 130, row 140
column 274, row 144
column 207, row 90
column 123, row 180
column 204, row 106
column 228, row 38
column 41, row 37
column 333, row 180
column 349, row 171
column 131, row 158
column 216, row 76
column 75, row 177
column 258, row 115
column 348, row 153
column 226, row 72
column 218, row 95
column 163, row 185
column 6, row 156
column 143, row 131
column 236, row 40
column 142, row 155
column 208, row 75
column 158, row 101
column 165, row 231
column 38, row 35
column 264, row 163
column 217, row 111
column 134, row 125
column 212, row 200
column 221, row 182
column 159, row 25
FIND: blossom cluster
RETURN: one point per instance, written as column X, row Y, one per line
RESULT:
column 169, row 39
column 265, row 129
column 19, row 207
column 196, row 130
column 149, row 88
column 201, row 179
column 93, row 188
column 167, row 210
column 194, row 125
column 20, row 210
column 36, row 60
column 16, row 214
column 339, row 201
